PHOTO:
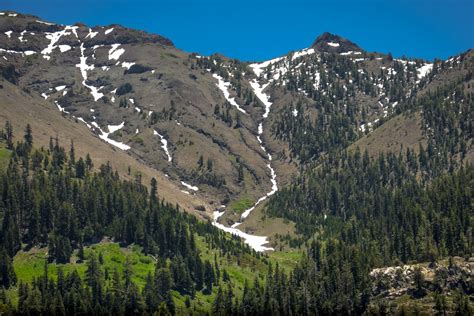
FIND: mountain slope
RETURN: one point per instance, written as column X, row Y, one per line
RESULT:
column 219, row 134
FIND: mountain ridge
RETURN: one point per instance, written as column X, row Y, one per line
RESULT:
column 164, row 106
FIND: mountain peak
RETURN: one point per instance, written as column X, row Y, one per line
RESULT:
column 328, row 42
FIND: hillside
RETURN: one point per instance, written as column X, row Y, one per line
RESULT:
column 328, row 163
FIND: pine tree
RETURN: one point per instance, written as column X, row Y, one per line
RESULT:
column 94, row 277
column 28, row 137
column 9, row 135
column 163, row 285
column 7, row 273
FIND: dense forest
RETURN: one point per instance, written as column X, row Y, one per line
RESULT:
column 50, row 198
column 353, row 213
column 359, row 212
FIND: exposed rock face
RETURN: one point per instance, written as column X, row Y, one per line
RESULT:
column 392, row 282
column 328, row 42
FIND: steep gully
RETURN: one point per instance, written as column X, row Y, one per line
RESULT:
column 256, row 242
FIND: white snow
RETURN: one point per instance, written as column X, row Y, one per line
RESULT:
column 258, row 90
column 333, row 44
column 9, row 34
column 61, row 109
column 424, row 70
column 91, row 34
column 351, row 52
column 44, row 95
column 43, row 22
column 259, row 67
column 13, row 14
column 108, row 31
column 105, row 136
column 255, row 242
column 295, row 112
column 60, row 88
column 164, row 145
column 9, row 51
column 115, row 52
column 304, row 52
column 83, row 121
column 127, row 64
column 114, row 128
column 84, row 68
column 190, row 187
column 54, row 38
column 64, row 48
column 20, row 38
column 224, row 86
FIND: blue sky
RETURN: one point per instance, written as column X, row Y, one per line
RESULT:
column 259, row 30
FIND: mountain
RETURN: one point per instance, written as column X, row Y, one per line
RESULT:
column 295, row 154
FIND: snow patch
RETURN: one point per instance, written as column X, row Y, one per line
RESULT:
column 258, row 90
column 20, row 38
column 83, row 121
column 127, row 64
column 84, row 68
column 224, row 86
column 61, row 109
column 164, row 145
column 258, row 68
column 190, row 187
column 43, row 22
column 108, row 31
column 64, row 48
column 333, row 44
column 424, row 70
column 351, row 52
column 105, row 136
column 9, row 34
column 255, row 242
column 91, row 34
column 9, row 51
column 304, row 52
column 54, row 38
column 115, row 52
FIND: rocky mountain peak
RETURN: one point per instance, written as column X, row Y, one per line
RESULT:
column 328, row 42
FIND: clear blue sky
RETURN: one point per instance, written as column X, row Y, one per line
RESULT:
column 259, row 30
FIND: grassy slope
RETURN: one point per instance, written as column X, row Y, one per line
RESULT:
column 47, row 121
column 30, row 264
column 398, row 133
column 4, row 157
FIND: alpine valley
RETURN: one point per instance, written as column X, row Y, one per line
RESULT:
column 136, row 178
